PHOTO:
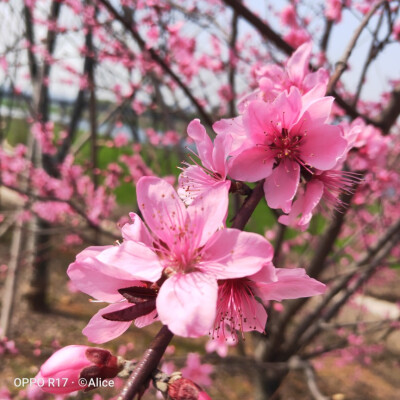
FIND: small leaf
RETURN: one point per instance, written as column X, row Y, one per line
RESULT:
column 131, row 313
column 137, row 294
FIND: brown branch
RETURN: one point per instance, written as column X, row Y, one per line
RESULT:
column 326, row 35
column 316, row 267
column 73, row 206
column 232, row 63
column 373, row 52
column 158, row 59
column 142, row 373
column 366, row 260
column 349, row 291
column 342, row 64
column 388, row 116
column 92, row 103
column 260, row 25
column 29, row 33
column 272, row 36
column 278, row 243
column 309, row 372
column 248, row 207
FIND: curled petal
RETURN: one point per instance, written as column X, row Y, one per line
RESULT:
column 136, row 231
column 203, row 142
column 291, row 284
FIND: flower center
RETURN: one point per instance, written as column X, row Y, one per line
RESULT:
column 181, row 256
column 236, row 309
column 285, row 146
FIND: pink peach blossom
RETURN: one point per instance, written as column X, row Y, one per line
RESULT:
column 240, row 311
column 286, row 139
column 273, row 80
column 196, row 180
column 188, row 248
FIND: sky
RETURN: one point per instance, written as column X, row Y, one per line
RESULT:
column 385, row 68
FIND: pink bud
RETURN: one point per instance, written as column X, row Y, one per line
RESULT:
column 68, row 368
column 185, row 389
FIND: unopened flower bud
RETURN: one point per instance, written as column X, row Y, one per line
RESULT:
column 69, row 368
column 185, row 389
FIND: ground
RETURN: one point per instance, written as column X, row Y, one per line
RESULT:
column 38, row 334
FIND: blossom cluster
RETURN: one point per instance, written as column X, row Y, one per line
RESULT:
column 184, row 259
column 179, row 263
column 283, row 136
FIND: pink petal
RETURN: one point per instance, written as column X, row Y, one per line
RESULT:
column 286, row 108
column 252, row 165
column 147, row 319
column 56, row 363
column 297, row 64
column 266, row 274
column 222, row 148
column 281, row 186
column 134, row 258
column 316, row 113
column 187, row 304
column 98, row 279
column 194, row 182
column 312, row 197
column 291, row 284
column 257, row 121
column 235, row 254
column 203, row 142
column 235, row 128
column 136, row 231
column 208, row 213
column 244, row 102
column 304, row 206
column 100, row 330
column 162, row 210
column 254, row 316
column 315, row 84
column 91, row 251
column 323, row 146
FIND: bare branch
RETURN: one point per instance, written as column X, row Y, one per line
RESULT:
column 366, row 260
column 350, row 290
column 260, row 25
column 272, row 36
column 156, row 58
column 232, row 63
column 388, row 116
column 342, row 64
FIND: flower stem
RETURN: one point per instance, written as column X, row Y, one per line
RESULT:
column 248, row 207
column 145, row 367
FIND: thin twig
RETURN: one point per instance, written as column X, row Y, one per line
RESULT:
column 373, row 52
column 342, row 64
column 366, row 260
column 158, row 59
